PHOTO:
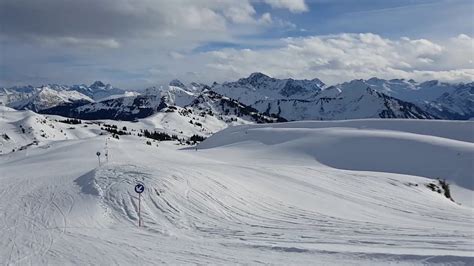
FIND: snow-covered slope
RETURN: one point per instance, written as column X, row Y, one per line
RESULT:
column 185, row 122
column 24, row 130
column 21, row 129
column 441, row 149
column 208, row 113
column 174, row 95
column 248, row 195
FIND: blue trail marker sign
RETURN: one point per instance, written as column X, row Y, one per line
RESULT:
column 139, row 188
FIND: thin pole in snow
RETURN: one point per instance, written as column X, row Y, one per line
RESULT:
column 106, row 150
column 139, row 210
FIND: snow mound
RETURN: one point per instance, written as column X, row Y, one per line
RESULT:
column 433, row 149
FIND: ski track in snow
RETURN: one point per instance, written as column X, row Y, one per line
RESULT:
column 218, row 206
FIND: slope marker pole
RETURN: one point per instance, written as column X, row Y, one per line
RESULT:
column 139, row 188
column 139, row 210
column 106, row 150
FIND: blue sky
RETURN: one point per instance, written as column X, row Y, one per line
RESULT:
column 434, row 19
column 149, row 42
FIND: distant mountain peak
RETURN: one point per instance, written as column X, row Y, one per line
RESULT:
column 430, row 83
column 375, row 79
column 258, row 75
column 97, row 84
column 177, row 83
column 320, row 82
column 356, row 83
column 397, row 80
column 256, row 78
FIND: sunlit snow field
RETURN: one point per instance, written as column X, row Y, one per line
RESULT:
column 349, row 192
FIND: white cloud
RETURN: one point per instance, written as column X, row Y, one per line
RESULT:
column 84, row 42
column 266, row 19
column 337, row 58
column 295, row 6
column 240, row 13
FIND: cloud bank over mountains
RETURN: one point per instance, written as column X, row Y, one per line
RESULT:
column 336, row 58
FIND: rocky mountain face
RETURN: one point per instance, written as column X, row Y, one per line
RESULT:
column 456, row 104
column 259, row 87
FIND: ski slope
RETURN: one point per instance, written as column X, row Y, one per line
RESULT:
column 290, row 193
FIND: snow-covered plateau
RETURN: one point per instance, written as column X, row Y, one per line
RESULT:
column 311, row 192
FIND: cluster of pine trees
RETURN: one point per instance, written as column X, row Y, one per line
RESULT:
column 161, row 136
column 71, row 121
column 196, row 138
column 114, row 130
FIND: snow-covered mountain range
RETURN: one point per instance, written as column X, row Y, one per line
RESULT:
column 334, row 103
column 265, row 97
column 197, row 100
column 373, row 98
column 52, row 95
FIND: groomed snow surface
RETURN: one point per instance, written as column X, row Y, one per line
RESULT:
column 349, row 192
